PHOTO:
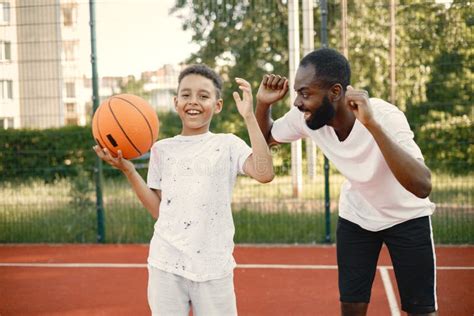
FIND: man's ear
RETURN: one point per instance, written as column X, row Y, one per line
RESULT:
column 175, row 100
column 336, row 92
column 219, row 105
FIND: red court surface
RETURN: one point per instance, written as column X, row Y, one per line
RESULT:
column 270, row 280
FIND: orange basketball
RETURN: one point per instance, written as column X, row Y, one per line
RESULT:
column 126, row 122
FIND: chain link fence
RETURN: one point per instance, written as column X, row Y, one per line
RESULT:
column 416, row 54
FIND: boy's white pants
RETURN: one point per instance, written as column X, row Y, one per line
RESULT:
column 170, row 294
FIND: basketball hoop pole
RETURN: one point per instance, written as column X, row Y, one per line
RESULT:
column 95, row 104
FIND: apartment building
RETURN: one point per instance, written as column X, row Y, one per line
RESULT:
column 9, row 88
column 39, row 64
column 161, row 86
column 41, row 82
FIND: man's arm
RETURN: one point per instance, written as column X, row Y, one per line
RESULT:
column 272, row 89
column 412, row 173
column 263, row 114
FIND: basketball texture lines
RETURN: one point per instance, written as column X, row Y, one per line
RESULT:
column 125, row 122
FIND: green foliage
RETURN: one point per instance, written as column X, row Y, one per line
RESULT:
column 130, row 224
column 42, row 212
column 170, row 124
column 282, row 227
column 368, row 44
column 82, row 204
column 55, row 153
column 447, row 144
column 134, row 86
column 81, row 192
column 433, row 59
column 48, row 154
column 238, row 42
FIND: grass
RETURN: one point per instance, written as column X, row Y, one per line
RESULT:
column 38, row 212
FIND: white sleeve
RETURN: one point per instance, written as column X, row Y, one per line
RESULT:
column 154, row 169
column 396, row 124
column 289, row 127
column 239, row 151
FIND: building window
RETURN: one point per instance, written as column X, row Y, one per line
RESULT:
column 5, row 51
column 69, row 48
column 70, row 90
column 4, row 12
column 6, row 122
column 68, row 16
column 70, row 107
column 6, row 89
column 72, row 121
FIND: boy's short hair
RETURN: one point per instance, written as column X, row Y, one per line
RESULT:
column 206, row 72
column 330, row 67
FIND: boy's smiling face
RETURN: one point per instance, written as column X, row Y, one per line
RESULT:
column 196, row 103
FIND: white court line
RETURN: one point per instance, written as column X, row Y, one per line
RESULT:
column 239, row 266
column 75, row 265
column 392, row 299
column 288, row 266
column 395, row 311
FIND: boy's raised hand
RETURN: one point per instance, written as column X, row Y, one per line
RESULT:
column 118, row 162
column 273, row 88
column 244, row 104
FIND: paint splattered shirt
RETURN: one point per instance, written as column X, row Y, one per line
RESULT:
column 193, row 236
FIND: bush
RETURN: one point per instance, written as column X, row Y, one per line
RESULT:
column 55, row 153
column 447, row 144
column 47, row 154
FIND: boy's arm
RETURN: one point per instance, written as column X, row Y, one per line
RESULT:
column 259, row 164
column 272, row 89
column 149, row 198
column 410, row 172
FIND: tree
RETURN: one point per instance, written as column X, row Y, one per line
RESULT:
column 241, row 39
column 433, row 52
column 134, row 86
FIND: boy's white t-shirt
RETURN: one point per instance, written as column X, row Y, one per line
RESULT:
column 371, row 196
column 193, row 236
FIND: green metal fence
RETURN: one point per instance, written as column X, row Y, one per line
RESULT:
column 432, row 79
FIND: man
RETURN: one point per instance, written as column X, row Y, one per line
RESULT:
column 385, row 196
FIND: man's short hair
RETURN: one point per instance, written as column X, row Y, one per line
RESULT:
column 330, row 67
column 206, row 72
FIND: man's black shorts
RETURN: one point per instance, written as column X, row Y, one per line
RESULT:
column 411, row 248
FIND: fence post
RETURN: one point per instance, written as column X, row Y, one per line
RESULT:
column 393, row 82
column 327, row 200
column 95, row 105
column 293, row 60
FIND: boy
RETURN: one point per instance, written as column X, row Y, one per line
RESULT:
column 189, row 189
column 385, row 197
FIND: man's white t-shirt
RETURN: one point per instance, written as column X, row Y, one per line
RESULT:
column 371, row 196
column 193, row 236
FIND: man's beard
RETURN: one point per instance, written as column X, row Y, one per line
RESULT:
column 322, row 115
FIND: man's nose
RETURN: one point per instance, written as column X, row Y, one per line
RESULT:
column 297, row 102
